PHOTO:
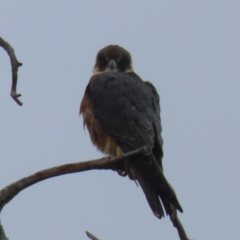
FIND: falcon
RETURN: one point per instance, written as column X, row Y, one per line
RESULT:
column 122, row 114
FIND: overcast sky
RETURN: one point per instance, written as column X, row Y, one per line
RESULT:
column 190, row 50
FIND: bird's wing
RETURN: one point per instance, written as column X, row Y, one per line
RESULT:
column 128, row 110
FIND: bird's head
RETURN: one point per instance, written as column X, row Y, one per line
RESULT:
column 113, row 58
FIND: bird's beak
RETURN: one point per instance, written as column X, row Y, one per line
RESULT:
column 112, row 64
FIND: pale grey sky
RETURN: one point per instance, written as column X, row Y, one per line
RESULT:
column 188, row 49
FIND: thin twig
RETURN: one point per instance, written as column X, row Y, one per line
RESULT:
column 15, row 65
column 10, row 191
column 92, row 237
column 2, row 233
column 177, row 224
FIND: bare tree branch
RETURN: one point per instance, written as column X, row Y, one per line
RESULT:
column 15, row 65
column 10, row 191
column 177, row 224
column 92, row 237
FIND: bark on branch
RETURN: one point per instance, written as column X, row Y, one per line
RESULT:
column 15, row 65
column 10, row 191
column 91, row 236
column 177, row 224
column 2, row 233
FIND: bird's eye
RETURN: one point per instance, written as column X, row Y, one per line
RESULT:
column 103, row 60
column 123, row 60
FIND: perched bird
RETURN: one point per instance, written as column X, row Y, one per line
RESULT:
column 122, row 114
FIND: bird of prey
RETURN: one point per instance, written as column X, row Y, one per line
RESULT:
column 122, row 114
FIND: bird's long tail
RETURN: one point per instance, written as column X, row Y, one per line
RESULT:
column 159, row 193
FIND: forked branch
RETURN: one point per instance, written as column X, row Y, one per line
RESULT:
column 10, row 191
column 15, row 65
